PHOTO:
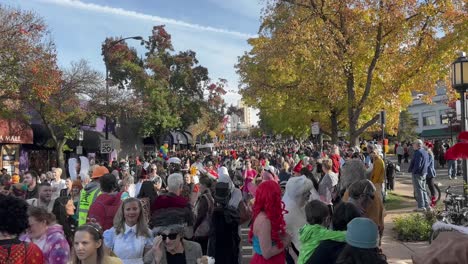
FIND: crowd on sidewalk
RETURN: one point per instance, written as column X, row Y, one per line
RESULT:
column 302, row 203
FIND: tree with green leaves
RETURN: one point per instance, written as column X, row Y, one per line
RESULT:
column 352, row 58
column 170, row 85
column 407, row 127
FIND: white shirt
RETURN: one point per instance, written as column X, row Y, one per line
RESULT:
column 127, row 246
column 60, row 185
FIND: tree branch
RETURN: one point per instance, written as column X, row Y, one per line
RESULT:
column 367, row 125
column 371, row 68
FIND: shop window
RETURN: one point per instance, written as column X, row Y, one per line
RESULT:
column 429, row 118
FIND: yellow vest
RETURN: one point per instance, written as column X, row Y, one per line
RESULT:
column 86, row 199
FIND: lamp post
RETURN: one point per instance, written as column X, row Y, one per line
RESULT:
column 106, row 48
column 460, row 83
column 79, row 148
column 451, row 116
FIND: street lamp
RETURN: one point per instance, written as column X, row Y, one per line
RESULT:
column 451, row 115
column 79, row 148
column 460, row 83
column 106, row 48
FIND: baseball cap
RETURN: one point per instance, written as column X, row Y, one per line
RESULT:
column 99, row 171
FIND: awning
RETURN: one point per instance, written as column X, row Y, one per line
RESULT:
column 15, row 132
column 189, row 137
column 41, row 134
column 437, row 133
column 178, row 137
column 92, row 141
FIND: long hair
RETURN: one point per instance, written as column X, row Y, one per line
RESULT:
column 96, row 233
column 62, row 218
column 147, row 191
column 268, row 200
column 119, row 219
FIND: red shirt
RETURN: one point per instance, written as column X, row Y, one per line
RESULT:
column 13, row 251
column 336, row 162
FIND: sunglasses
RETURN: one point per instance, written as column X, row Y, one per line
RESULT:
column 170, row 236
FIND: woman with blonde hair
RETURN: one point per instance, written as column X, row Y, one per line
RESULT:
column 128, row 187
column 328, row 183
column 130, row 238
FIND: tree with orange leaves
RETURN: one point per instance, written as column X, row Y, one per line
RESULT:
column 33, row 86
column 173, row 88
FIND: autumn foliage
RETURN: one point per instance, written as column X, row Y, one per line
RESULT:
column 342, row 62
column 172, row 89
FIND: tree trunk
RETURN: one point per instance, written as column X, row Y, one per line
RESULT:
column 334, row 125
column 60, row 155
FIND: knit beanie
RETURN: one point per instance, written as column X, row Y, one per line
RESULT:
column 362, row 233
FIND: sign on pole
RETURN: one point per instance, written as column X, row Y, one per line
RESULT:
column 79, row 150
column 106, row 146
column 315, row 128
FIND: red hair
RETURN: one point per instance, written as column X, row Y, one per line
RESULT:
column 268, row 200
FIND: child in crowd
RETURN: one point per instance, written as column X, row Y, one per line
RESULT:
column 318, row 219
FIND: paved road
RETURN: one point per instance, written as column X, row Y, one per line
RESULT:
column 246, row 246
column 442, row 179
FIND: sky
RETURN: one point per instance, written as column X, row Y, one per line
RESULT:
column 217, row 30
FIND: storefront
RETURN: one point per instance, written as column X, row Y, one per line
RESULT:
column 13, row 134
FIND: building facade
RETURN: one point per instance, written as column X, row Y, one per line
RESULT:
column 432, row 120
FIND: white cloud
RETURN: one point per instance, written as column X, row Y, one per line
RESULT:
column 248, row 8
column 132, row 14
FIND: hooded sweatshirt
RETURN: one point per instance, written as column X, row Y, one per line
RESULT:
column 104, row 209
column 311, row 236
column 53, row 244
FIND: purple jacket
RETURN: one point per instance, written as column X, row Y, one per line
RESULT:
column 56, row 249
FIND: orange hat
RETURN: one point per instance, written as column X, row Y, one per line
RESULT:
column 99, row 171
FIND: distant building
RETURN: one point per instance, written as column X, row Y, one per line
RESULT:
column 246, row 118
column 431, row 120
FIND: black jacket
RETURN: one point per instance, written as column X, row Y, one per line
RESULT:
column 327, row 252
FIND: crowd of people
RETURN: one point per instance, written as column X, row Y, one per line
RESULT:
column 303, row 204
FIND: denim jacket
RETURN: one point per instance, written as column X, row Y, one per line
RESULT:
column 431, row 172
column 420, row 162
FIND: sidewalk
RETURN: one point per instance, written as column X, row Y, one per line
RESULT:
column 399, row 252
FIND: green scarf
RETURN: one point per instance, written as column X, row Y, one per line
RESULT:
column 310, row 237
